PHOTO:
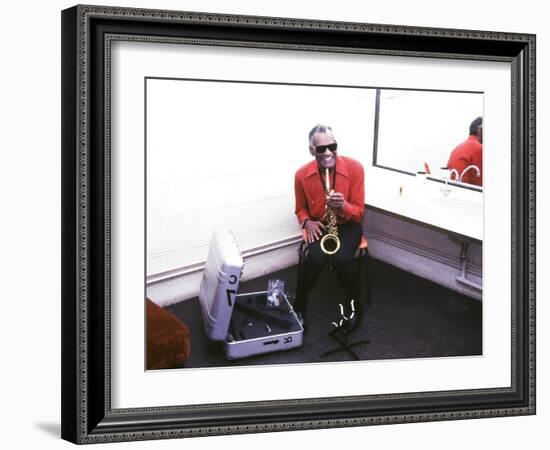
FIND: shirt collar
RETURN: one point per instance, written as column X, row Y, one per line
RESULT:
column 341, row 167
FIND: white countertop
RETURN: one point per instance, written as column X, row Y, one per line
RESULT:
column 461, row 211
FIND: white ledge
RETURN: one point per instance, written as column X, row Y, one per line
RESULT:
column 461, row 211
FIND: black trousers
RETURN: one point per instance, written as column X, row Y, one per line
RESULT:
column 343, row 262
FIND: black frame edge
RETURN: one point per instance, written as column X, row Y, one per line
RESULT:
column 528, row 213
column 243, row 416
column 69, row 293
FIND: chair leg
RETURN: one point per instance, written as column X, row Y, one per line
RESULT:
column 367, row 279
column 364, row 274
column 299, row 278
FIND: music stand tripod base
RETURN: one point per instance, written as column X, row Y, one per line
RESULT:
column 344, row 345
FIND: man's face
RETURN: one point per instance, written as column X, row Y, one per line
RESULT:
column 326, row 159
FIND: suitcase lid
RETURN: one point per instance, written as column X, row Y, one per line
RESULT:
column 220, row 283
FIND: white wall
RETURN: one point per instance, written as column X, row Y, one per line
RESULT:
column 30, row 236
column 224, row 154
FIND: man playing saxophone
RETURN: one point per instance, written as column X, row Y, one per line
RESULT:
column 329, row 185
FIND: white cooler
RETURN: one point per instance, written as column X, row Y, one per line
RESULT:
column 245, row 322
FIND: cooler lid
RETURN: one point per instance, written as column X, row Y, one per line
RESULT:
column 220, row 283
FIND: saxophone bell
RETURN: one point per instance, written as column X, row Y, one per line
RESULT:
column 330, row 244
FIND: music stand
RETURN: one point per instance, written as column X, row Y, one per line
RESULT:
column 343, row 329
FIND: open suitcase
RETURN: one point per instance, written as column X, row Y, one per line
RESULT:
column 246, row 323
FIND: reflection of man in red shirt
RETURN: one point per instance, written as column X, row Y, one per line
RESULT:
column 469, row 153
column 346, row 179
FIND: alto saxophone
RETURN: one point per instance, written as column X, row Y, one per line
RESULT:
column 330, row 242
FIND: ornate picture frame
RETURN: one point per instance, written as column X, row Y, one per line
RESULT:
column 88, row 415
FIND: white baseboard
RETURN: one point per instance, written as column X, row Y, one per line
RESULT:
column 183, row 284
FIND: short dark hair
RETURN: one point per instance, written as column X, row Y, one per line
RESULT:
column 319, row 128
column 475, row 125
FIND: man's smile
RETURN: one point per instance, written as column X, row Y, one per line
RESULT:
column 327, row 160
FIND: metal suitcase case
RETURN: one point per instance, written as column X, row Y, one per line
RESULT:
column 245, row 322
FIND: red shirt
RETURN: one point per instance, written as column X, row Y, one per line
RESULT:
column 468, row 153
column 311, row 197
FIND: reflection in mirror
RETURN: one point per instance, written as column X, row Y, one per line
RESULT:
column 433, row 131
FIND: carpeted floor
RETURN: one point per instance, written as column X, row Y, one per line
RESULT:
column 408, row 317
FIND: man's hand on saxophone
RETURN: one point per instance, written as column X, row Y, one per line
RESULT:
column 336, row 200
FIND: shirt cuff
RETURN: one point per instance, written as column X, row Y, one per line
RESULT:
column 302, row 217
column 347, row 211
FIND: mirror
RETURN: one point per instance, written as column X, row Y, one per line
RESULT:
column 430, row 131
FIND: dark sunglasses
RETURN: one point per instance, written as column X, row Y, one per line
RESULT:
column 323, row 148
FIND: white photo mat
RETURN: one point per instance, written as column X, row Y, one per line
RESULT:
column 132, row 386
